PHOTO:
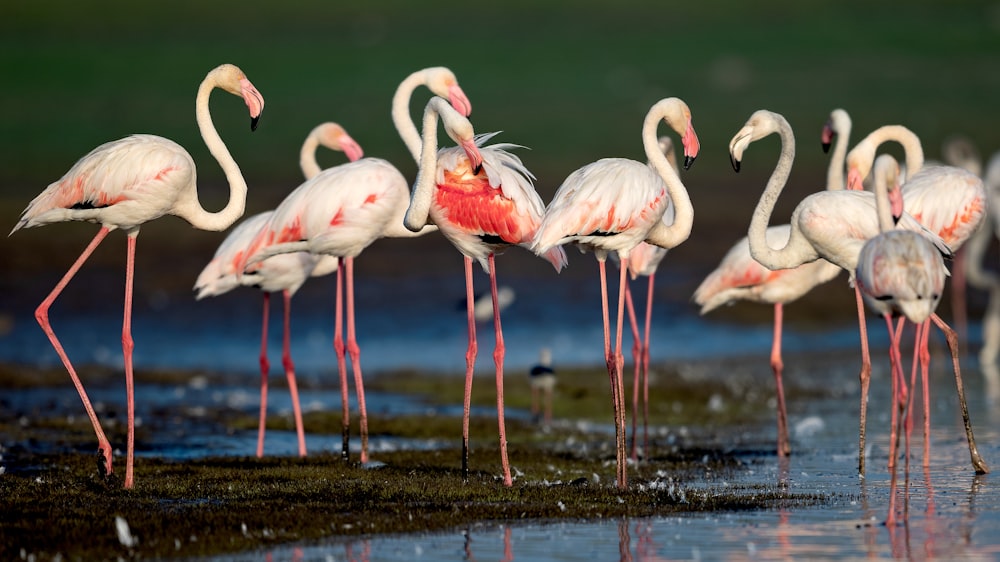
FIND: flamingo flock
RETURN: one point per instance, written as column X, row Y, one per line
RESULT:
column 892, row 241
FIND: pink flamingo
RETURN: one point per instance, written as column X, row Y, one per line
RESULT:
column 339, row 212
column 285, row 273
column 902, row 273
column 614, row 204
column 740, row 277
column 482, row 199
column 832, row 225
column 124, row 183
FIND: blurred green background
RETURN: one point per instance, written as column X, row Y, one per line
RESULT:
column 570, row 80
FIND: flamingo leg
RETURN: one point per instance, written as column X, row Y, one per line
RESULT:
column 42, row 316
column 925, row 361
column 865, row 376
column 784, row 446
column 608, row 354
column 286, row 361
column 637, row 361
column 498, row 355
column 977, row 461
column 645, row 366
column 470, row 365
column 128, row 345
column 898, row 402
column 265, row 368
column 338, row 346
column 619, row 382
column 355, row 352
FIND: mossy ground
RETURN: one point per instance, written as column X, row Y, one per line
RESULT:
column 54, row 503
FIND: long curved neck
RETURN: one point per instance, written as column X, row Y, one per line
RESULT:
column 798, row 250
column 401, row 112
column 835, row 174
column 913, row 151
column 191, row 210
column 423, row 188
column 307, row 157
column 661, row 234
column 882, row 205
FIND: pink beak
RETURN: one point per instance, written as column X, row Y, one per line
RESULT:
column 459, row 101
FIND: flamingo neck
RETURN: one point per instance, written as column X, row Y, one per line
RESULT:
column 423, row 189
column 835, row 174
column 662, row 235
column 190, row 208
column 798, row 250
column 307, row 157
column 401, row 118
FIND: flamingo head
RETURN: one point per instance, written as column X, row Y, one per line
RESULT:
column 761, row 124
column 230, row 78
column 333, row 136
column 690, row 143
column 826, row 137
column 443, row 83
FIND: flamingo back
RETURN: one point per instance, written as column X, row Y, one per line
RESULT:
column 120, row 184
column 948, row 200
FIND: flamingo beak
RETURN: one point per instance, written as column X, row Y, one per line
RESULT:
column 458, row 100
column 351, row 148
column 854, row 179
column 254, row 101
column 826, row 137
column 691, row 145
column 475, row 157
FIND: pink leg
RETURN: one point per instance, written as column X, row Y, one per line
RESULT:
column 619, row 367
column 637, row 360
column 925, row 361
column 977, row 461
column 784, row 446
column 42, row 316
column 286, row 361
column 265, row 368
column 898, row 388
column 609, row 356
column 865, row 376
column 127, row 347
column 338, row 346
column 498, row 355
column 470, row 365
column 645, row 366
column 355, row 352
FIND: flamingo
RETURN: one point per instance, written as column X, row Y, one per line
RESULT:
column 339, row 213
column 901, row 273
column 739, row 277
column 123, row 184
column 483, row 200
column 285, row 273
column 832, row 225
column 614, row 204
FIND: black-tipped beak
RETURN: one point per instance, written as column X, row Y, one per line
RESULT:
column 688, row 161
column 895, row 220
column 735, row 163
column 477, row 169
column 826, row 147
column 253, row 123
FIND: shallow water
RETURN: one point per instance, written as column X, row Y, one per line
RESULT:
column 952, row 514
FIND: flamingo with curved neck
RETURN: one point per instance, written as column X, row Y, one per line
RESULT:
column 483, row 200
column 614, row 204
column 124, row 183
